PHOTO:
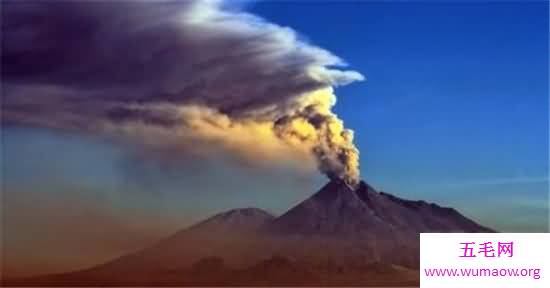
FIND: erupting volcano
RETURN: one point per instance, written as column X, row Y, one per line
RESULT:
column 201, row 83
column 340, row 235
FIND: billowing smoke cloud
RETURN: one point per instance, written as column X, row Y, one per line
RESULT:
column 188, row 77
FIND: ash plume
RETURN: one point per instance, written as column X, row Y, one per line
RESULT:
column 186, row 77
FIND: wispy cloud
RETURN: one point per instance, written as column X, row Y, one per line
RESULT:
column 498, row 181
column 185, row 77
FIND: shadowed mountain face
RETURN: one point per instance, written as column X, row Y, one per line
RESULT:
column 364, row 212
column 338, row 236
column 362, row 225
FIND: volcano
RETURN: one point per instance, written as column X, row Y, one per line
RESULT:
column 339, row 236
column 365, row 213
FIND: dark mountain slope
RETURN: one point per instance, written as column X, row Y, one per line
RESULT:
column 338, row 236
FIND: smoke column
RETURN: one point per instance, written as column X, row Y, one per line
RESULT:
column 185, row 78
column 314, row 125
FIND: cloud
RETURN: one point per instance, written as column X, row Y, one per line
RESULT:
column 501, row 181
column 179, row 75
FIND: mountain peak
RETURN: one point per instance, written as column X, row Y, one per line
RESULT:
column 245, row 212
column 335, row 208
column 237, row 219
column 343, row 193
column 332, row 190
column 363, row 211
column 339, row 225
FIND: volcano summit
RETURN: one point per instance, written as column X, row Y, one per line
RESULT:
column 338, row 236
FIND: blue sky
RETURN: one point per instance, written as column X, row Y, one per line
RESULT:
column 454, row 110
column 455, row 105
